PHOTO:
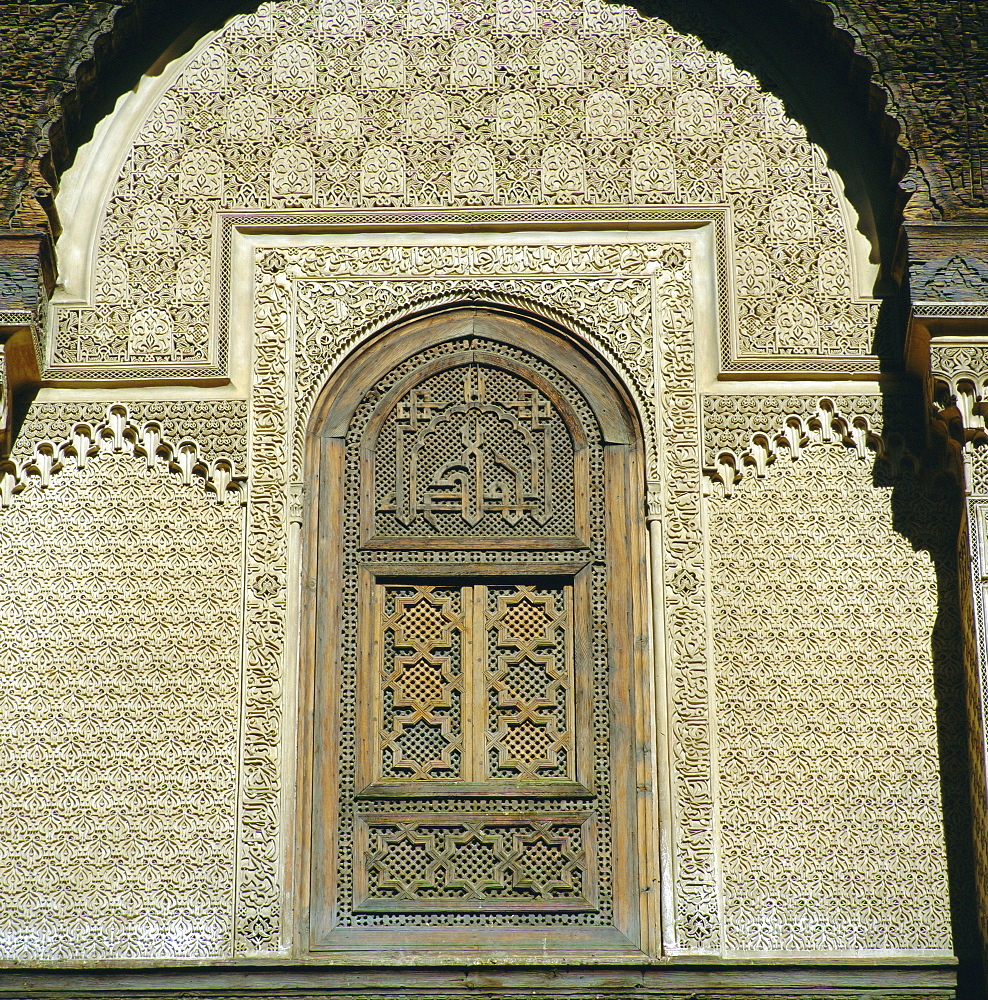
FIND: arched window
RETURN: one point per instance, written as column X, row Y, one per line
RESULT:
column 478, row 675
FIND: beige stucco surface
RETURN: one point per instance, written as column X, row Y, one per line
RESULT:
column 301, row 179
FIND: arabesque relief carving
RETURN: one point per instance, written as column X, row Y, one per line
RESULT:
column 793, row 433
column 331, row 306
column 303, row 108
column 219, row 427
column 119, row 790
column 310, row 342
column 117, row 434
column 818, row 706
column 538, row 104
column 341, row 292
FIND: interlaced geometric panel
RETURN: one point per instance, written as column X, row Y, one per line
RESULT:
column 529, row 682
column 473, row 862
column 421, row 682
column 120, row 750
column 473, row 450
column 473, row 682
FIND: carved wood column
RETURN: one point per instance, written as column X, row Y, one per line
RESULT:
column 948, row 344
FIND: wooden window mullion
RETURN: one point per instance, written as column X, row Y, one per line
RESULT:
column 478, row 685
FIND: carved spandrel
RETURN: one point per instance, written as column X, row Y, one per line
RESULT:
column 561, row 93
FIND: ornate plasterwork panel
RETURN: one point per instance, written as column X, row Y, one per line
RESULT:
column 631, row 299
column 82, row 442
column 829, row 777
column 732, row 422
column 956, row 389
column 746, row 434
column 120, row 625
column 614, row 293
column 973, row 549
column 219, row 427
column 303, row 106
column 957, row 393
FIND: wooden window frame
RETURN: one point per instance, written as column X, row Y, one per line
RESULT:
column 632, row 935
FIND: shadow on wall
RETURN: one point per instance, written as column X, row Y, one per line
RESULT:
column 926, row 510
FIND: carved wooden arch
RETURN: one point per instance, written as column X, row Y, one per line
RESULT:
column 475, row 813
column 606, row 394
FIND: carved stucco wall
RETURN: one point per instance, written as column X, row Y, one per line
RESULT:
column 120, row 624
column 829, row 771
column 956, row 398
column 325, row 104
column 69, row 53
column 325, row 111
column 219, row 427
column 830, row 829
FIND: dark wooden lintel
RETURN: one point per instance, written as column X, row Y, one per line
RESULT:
column 877, row 979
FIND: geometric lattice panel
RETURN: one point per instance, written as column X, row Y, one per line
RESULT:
column 832, row 830
column 529, row 682
column 421, row 683
column 120, row 621
column 475, row 861
column 473, row 683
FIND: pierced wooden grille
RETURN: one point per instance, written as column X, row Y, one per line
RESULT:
column 474, row 862
column 472, row 686
column 528, row 681
column 473, row 451
column 420, row 682
column 473, row 778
